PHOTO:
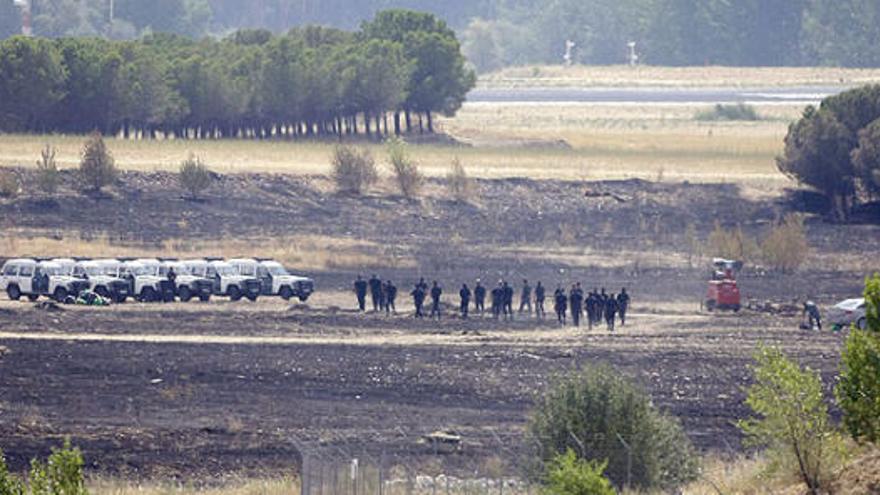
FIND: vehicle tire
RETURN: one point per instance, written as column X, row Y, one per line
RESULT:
column 60, row 295
column 33, row 297
column 168, row 296
column 204, row 297
column 184, row 293
column 303, row 298
column 234, row 293
column 736, row 308
column 710, row 305
column 286, row 293
column 148, row 294
column 862, row 324
column 251, row 296
column 119, row 298
column 13, row 292
column 103, row 292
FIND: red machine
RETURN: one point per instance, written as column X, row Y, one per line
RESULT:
column 723, row 292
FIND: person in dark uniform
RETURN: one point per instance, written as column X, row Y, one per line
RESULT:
column 603, row 301
column 497, row 300
column 576, row 297
column 436, row 292
column 560, row 304
column 465, row 294
column 622, row 305
column 590, row 306
column 812, row 311
column 360, row 290
column 172, row 278
column 525, row 297
column 508, row 301
column 376, row 292
column 539, row 301
column 423, row 284
column 479, row 298
column 610, row 311
column 390, row 293
column 418, row 295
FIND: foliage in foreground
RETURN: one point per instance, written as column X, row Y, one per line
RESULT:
column 858, row 391
column 568, row 475
column 793, row 419
column 602, row 417
column 61, row 474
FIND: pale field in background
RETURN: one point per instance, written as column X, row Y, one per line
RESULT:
column 645, row 75
column 510, row 140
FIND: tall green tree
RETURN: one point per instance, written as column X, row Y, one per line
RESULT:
column 32, row 79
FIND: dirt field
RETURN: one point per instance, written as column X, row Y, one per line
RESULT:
column 192, row 391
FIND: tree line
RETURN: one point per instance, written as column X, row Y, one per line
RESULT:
column 390, row 76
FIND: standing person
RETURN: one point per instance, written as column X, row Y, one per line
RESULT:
column 815, row 318
column 603, row 301
column 423, row 284
column 590, row 307
column 418, row 295
column 390, row 295
column 172, row 279
column 559, row 304
column 508, row 301
column 436, row 292
column 525, row 297
column 479, row 298
column 539, row 301
column 497, row 300
column 576, row 296
column 465, row 294
column 610, row 311
column 360, row 290
column 622, row 305
column 376, row 293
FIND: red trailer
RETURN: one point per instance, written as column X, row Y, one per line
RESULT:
column 723, row 292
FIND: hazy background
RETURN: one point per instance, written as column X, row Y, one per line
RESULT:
column 498, row 33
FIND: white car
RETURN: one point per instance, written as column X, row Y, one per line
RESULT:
column 848, row 312
column 146, row 282
column 230, row 281
column 277, row 281
column 191, row 279
column 20, row 277
column 106, row 278
column 59, row 282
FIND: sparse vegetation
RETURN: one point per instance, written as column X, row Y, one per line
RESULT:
column 48, row 176
column 194, row 176
column 97, row 168
column 406, row 170
column 9, row 184
column 461, row 186
column 568, row 475
column 353, row 169
column 739, row 111
column 61, row 474
column 785, row 248
column 793, row 419
column 600, row 416
column 858, row 391
column 731, row 243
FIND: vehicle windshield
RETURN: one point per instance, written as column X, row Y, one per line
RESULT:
column 93, row 271
column 198, row 270
column 247, row 270
column 227, row 270
column 111, row 271
column 52, row 270
column 178, row 270
column 144, row 270
column 276, row 269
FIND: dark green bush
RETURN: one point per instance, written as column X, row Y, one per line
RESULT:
column 597, row 413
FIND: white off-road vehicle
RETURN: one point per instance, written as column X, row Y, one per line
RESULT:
column 21, row 277
column 106, row 278
column 230, row 281
column 191, row 279
column 146, row 281
column 59, row 282
column 277, row 281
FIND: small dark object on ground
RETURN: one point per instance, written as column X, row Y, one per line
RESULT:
column 50, row 306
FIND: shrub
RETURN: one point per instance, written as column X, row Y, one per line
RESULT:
column 194, row 176
column 739, row 111
column 353, row 170
column 793, row 421
column 61, row 474
column 9, row 185
column 568, row 475
column 731, row 243
column 96, row 168
column 9, row 485
column 406, row 171
column 48, row 176
column 785, row 247
column 858, row 391
column 461, row 187
column 593, row 412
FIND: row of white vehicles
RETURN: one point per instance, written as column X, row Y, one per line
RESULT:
column 148, row 280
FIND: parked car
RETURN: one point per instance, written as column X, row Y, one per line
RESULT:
column 146, row 282
column 106, row 278
column 230, row 281
column 20, row 277
column 848, row 312
column 192, row 280
column 277, row 281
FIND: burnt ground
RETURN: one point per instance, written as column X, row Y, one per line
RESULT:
column 316, row 379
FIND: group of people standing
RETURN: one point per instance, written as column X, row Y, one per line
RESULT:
column 596, row 305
